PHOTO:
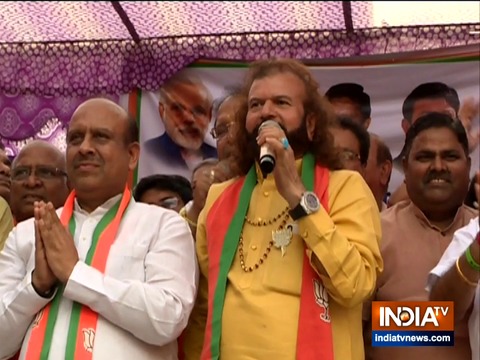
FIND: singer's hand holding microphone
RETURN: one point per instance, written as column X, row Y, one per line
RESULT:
column 276, row 155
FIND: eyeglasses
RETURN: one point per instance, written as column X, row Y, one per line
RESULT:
column 169, row 203
column 41, row 172
column 348, row 155
column 221, row 130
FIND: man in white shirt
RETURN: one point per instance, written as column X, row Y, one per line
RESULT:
column 455, row 279
column 125, row 270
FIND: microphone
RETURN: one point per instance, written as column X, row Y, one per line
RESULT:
column 267, row 159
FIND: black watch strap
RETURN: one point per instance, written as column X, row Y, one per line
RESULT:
column 297, row 212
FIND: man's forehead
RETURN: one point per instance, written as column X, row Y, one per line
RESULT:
column 39, row 155
column 282, row 84
column 183, row 92
column 93, row 126
column 439, row 139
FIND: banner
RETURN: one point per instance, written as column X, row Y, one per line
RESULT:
column 387, row 85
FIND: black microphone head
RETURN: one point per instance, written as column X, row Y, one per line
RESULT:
column 267, row 164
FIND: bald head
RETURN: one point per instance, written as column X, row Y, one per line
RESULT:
column 110, row 109
column 45, row 148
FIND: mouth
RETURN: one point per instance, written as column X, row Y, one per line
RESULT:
column 191, row 132
column 32, row 198
column 438, row 182
column 86, row 166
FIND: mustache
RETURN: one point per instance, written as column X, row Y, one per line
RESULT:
column 191, row 128
column 445, row 176
column 82, row 159
column 255, row 131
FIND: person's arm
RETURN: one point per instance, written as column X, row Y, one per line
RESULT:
column 344, row 242
column 19, row 303
column 155, row 310
column 460, row 281
column 6, row 222
column 194, row 334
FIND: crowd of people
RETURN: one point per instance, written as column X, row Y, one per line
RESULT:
column 233, row 261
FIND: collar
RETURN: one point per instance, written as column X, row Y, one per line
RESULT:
column 424, row 220
column 270, row 178
column 101, row 210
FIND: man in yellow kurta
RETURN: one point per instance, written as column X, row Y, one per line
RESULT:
column 288, row 253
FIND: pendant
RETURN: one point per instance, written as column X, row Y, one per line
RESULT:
column 282, row 238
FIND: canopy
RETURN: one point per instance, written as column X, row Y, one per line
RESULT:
column 89, row 48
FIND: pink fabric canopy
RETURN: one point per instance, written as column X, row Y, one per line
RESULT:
column 86, row 48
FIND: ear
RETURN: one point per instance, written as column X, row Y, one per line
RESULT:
column 134, row 154
column 366, row 123
column 210, row 113
column 405, row 125
column 69, row 185
column 161, row 109
column 310, row 126
column 405, row 164
column 386, row 172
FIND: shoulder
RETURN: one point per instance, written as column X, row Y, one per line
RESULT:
column 217, row 191
column 392, row 214
column 151, row 214
column 342, row 178
column 348, row 186
column 470, row 212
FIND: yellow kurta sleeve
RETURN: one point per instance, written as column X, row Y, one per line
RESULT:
column 346, row 239
column 6, row 222
column 194, row 334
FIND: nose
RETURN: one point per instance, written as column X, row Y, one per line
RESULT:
column 32, row 181
column 4, row 169
column 86, row 147
column 267, row 112
column 188, row 117
column 438, row 163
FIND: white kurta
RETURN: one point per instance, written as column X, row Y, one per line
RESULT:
column 462, row 239
column 144, row 298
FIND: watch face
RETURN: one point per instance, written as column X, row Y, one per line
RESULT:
column 311, row 201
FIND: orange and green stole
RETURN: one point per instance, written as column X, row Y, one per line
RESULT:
column 223, row 227
column 83, row 320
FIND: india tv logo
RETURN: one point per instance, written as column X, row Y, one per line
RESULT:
column 412, row 323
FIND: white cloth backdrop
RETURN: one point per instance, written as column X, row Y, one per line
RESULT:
column 387, row 85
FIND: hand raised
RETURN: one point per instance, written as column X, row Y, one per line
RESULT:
column 60, row 250
column 204, row 180
column 43, row 278
column 288, row 182
column 467, row 114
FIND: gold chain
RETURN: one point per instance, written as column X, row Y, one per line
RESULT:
column 264, row 256
column 266, row 222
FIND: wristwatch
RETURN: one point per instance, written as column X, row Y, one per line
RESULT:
column 309, row 204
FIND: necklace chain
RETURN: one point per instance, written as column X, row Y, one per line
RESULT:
column 263, row 222
column 264, row 256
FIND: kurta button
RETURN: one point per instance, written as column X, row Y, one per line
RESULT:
column 266, row 193
column 253, row 247
column 305, row 234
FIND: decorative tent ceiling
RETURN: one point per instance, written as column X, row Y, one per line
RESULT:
column 84, row 48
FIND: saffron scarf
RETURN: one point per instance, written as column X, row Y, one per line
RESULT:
column 83, row 321
column 314, row 339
